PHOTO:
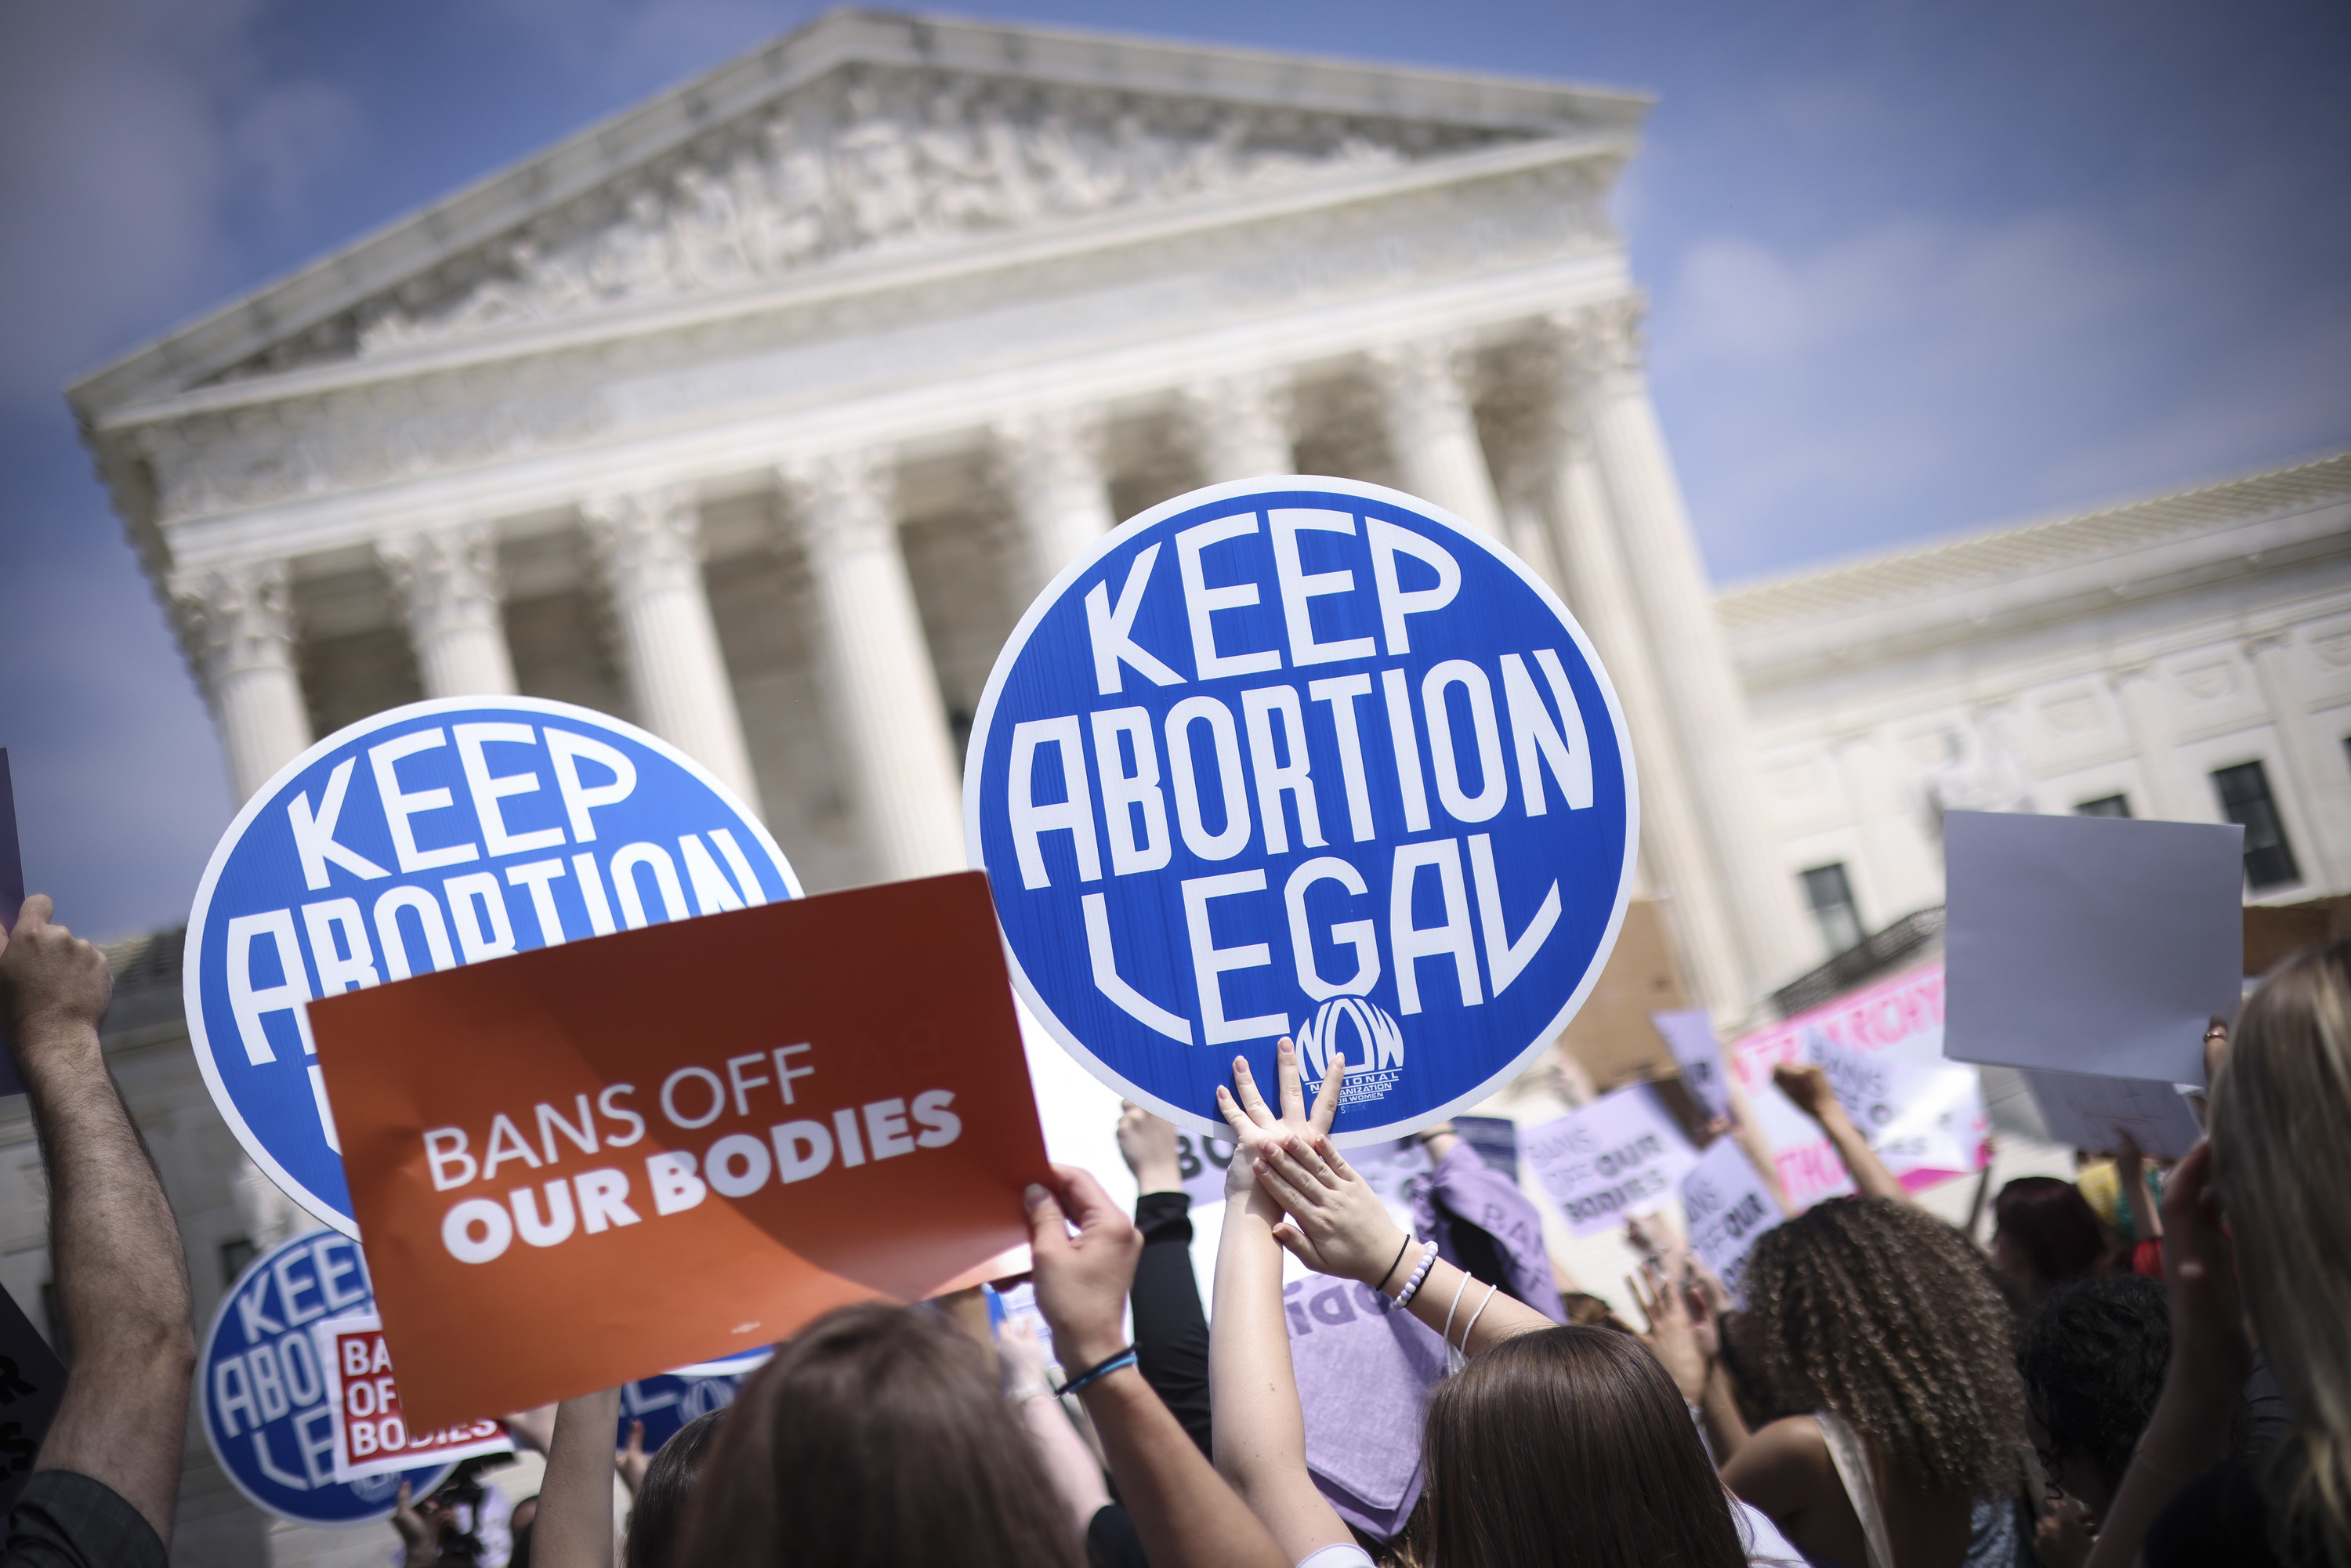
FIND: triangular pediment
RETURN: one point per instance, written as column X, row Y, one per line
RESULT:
column 859, row 138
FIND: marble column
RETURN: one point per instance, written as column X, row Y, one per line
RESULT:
column 887, row 717
column 649, row 544
column 446, row 579
column 1695, row 679
column 2140, row 691
column 237, row 623
column 1673, row 842
column 1240, row 425
column 1433, row 433
column 2308, row 768
column 1052, row 465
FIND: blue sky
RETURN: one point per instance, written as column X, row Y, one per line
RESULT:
column 1916, row 268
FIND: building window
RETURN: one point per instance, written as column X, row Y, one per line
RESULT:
column 235, row 1254
column 2105, row 806
column 1831, row 896
column 2245, row 800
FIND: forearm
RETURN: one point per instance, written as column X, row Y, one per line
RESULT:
column 574, row 1528
column 2188, row 1434
column 1480, row 1316
column 1869, row 1173
column 1075, row 1475
column 1718, row 1412
column 1261, row 1429
column 1186, row 1516
column 121, row 1278
column 1171, row 1331
column 2146, row 1220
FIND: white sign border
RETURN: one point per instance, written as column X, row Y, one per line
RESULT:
column 191, row 999
column 975, row 755
column 204, row 1398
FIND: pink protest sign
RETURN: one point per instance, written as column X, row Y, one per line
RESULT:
column 1897, row 1022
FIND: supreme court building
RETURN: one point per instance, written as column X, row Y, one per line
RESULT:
column 758, row 415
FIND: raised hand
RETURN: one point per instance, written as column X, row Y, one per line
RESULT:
column 1255, row 1124
column 1806, row 1084
column 54, row 986
column 1147, row 1144
column 633, row 1460
column 1081, row 1280
column 1336, row 1223
column 2208, row 1314
column 1672, row 1338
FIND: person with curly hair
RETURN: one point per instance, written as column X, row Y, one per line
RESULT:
column 1884, row 1322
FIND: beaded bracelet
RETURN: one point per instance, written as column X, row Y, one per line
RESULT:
column 1420, row 1272
column 1100, row 1370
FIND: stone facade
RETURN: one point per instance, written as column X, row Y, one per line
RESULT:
column 2187, row 657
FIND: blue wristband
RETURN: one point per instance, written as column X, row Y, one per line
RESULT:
column 1100, row 1370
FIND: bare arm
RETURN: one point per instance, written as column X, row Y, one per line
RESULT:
column 1076, row 1475
column 1808, row 1086
column 123, row 1280
column 2188, row 1432
column 574, row 1528
column 1261, row 1429
column 1186, row 1516
column 2130, row 1167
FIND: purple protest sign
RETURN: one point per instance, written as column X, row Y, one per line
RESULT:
column 1689, row 1035
column 1363, row 1371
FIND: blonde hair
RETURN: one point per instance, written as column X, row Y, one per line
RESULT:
column 2281, row 1149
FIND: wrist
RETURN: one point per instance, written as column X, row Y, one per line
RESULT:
column 1156, row 1177
column 1090, row 1348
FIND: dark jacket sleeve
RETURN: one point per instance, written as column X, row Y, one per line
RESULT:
column 1171, row 1331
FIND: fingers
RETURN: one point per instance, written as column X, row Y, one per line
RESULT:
column 1245, row 1090
column 1285, row 1074
column 1293, row 1241
column 1641, row 1300
column 35, row 912
column 1328, row 1152
column 1280, row 1190
column 1326, row 1099
column 1047, row 1232
column 1301, row 1153
column 1086, row 1202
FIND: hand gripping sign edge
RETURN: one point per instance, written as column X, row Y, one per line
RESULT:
column 975, row 786
column 422, row 1479
column 200, row 936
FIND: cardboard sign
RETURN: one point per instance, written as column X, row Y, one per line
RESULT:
column 32, row 1384
column 2091, row 1113
column 263, row 1394
column 1728, row 1209
column 2091, row 945
column 1897, row 1022
column 1609, row 1038
column 669, row 1401
column 12, row 898
column 1617, row 1158
column 373, row 1436
column 425, row 838
column 682, row 1142
column 1689, row 1035
column 1303, row 756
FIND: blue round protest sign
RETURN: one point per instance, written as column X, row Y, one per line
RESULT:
column 440, row 833
column 267, row 1410
column 1307, row 757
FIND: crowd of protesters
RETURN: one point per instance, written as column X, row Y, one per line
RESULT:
column 2113, row 1380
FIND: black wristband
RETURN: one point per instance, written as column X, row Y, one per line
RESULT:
column 1393, row 1262
column 1074, row 1382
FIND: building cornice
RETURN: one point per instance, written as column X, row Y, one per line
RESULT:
column 318, row 293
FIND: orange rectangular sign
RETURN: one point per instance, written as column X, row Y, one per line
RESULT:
column 583, row 1164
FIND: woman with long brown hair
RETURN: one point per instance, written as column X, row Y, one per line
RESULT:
column 2280, row 1143
column 1882, row 1322
column 1552, row 1445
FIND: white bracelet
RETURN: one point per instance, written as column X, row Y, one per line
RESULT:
column 1472, row 1326
column 1027, row 1391
column 1448, row 1335
column 1420, row 1271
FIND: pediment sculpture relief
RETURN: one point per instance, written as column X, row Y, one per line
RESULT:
column 883, row 165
